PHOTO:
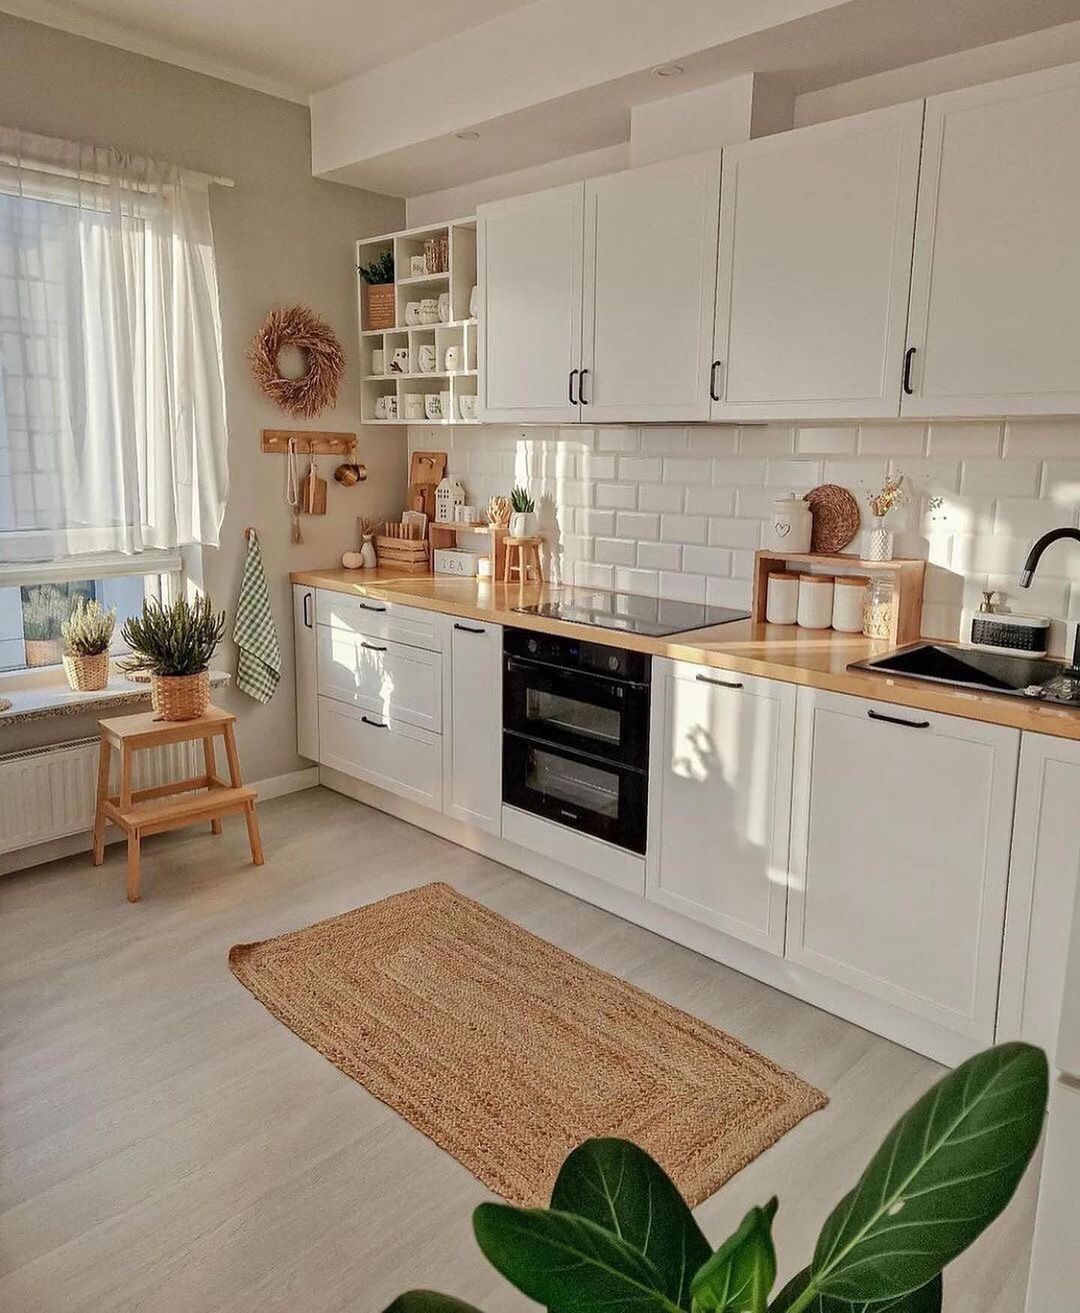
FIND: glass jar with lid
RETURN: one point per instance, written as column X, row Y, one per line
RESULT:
column 878, row 607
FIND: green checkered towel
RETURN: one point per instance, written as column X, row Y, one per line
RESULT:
column 258, row 665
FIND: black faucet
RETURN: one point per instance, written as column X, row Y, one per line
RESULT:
column 1028, row 573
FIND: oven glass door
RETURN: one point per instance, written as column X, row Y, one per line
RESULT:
column 586, row 793
column 574, row 709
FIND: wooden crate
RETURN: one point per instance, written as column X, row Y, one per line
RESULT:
column 908, row 578
column 405, row 553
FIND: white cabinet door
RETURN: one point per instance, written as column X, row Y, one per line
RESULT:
column 649, row 298
column 995, row 292
column 472, row 739
column 392, row 755
column 1043, row 878
column 529, row 261
column 720, row 799
column 393, row 680
column 306, row 670
column 816, row 230
column 900, row 848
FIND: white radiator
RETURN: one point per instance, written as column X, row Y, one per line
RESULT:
column 46, row 793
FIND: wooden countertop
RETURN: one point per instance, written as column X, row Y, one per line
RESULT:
column 815, row 658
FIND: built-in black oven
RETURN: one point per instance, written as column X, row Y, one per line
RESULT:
column 576, row 734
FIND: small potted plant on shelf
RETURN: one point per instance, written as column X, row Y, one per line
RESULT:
column 174, row 645
column 378, row 279
column 44, row 611
column 87, row 634
column 523, row 514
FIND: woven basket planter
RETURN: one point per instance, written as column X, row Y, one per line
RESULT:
column 43, row 651
column 180, row 697
column 379, row 309
column 86, row 674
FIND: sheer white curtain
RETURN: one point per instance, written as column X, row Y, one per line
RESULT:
column 112, row 396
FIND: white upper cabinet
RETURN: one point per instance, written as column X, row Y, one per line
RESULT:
column 650, row 281
column 995, row 294
column 529, row 265
column 816, row 233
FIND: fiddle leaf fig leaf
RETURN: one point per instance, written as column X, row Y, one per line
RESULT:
column 944, row 1172
column 429, row 1301
column 619, row 1187
column 569, row 1264
column 739, row 1276
column 927, row 1299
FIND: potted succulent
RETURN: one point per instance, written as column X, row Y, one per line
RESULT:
column 523, row 514
column 44, row 611
column 378, row 276
column 174, row 645
column 87, row 634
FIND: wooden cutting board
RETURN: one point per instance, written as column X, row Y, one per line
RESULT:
column 313, row 494
column 427, row 469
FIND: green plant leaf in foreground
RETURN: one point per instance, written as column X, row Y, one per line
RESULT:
column 944, row 1172
column 927, row 1299
column 568, row 1263
column 739, row 1276
column 619, row 1187
column 429, row 1301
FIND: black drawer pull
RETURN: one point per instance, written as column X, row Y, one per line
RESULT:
column 722, row 683
column 307, row 610
column 468, row 629
column 712, row 380
column 375, row 724
column 909, row 356
column 899, row 720
column 581, row 388
column 372, row 647
column 366, row 606
column 570, row 389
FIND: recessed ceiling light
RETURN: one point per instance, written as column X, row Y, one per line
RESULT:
column 669, row 71
column 467, row 135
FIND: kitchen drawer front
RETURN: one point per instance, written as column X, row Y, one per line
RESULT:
column 382, row 620
column 392, row 755
column 392, row 680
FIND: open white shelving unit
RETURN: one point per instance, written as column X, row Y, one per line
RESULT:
column 459, row 329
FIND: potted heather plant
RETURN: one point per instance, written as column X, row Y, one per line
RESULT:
column 174, row 645
column 44, row 610
column 522, row 514
column 87, row 632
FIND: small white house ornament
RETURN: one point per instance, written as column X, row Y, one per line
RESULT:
column 444, row 502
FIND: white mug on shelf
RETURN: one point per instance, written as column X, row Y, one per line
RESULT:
column 378, row 361
column 429, row 310
column 412, row 314
column 426, row 358
column 399, row 363
column 417, row 266
column 414, row 405
column 444, row 406
column 380, row 407
column 432, row 405
column 453, row 358
column 391, row 407
column 444, row 307
column 474, row 297
column 467, row 407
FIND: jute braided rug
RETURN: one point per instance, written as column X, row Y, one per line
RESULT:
column 508, row 1052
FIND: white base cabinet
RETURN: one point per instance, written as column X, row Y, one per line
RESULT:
column 720, row 788
column 900, row 852
column 472, row 736
column 305, row 666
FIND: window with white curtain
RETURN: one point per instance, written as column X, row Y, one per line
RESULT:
column 112, row 401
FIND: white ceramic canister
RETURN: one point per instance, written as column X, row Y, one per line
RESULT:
column 849, row 593
column 815, row 601
column 782, row 598
column 788, row 526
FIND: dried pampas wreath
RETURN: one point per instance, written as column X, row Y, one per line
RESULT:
column 300, row 327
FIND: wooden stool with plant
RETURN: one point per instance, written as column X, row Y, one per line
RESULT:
column 174, row 644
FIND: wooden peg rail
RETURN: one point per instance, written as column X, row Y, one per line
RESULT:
column 308, row 443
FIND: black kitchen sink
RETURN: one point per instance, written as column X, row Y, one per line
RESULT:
column 966, row 667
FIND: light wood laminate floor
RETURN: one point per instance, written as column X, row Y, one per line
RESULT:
column 166, row 1144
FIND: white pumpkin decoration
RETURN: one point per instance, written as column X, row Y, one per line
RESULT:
column 352, row 561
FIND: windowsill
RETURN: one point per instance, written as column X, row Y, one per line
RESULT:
column 39, row 695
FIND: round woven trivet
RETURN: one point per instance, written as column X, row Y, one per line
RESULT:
column 836, row 518
column 5, row 704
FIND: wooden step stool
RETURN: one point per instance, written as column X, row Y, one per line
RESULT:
column 523, row 556
column 149, row 811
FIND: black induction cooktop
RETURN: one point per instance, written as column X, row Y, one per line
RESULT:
column 655, row 616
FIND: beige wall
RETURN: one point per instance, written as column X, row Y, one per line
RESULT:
column 281, row 236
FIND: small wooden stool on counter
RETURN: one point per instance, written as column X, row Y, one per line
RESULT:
column 523, row 556
column 149, row 811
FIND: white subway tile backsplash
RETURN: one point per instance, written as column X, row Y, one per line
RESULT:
column 679, row 511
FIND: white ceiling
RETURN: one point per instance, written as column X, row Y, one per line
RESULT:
column 287, row 49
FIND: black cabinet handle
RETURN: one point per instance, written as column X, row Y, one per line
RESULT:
column 723, row 683
column 307, row 610
column 365, row 606
column 712, row 380
column 570, row 387
column 909, row 355
column 899, row 720
column 581, row 388
column 468, row 629
column 375, row 724
column 372, row 647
